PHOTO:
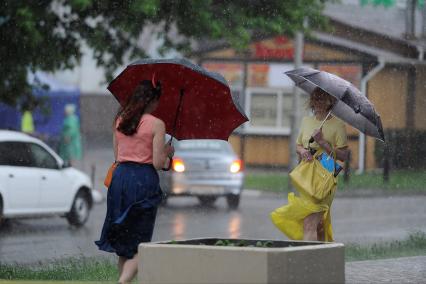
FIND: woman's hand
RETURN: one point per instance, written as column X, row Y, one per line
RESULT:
column 306, row 155
column 169, row 150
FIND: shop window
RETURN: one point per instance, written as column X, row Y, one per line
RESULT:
column 287, row 106
column 270, row 110
column 263, row 111
column 264, row 106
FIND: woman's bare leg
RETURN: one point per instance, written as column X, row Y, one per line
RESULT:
column 310, row 226
column 130, row 268
column 321, row 231
column 121, row 261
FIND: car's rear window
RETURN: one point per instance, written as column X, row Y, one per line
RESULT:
column 203, row 145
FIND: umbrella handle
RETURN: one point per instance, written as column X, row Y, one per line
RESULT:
column 322, row 123
column 169, row 166
column 171, row 159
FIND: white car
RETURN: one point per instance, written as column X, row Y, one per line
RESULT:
column 35, row 182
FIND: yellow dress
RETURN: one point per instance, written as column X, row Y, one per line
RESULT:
column 289, row 218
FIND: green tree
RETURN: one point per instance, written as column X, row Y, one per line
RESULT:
column 48, row 35
column 387, row 3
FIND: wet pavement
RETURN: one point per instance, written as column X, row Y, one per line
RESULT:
column 355, row 220
column 397, row 270
column 362, row 220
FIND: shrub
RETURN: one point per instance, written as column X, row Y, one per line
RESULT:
column 406, row 148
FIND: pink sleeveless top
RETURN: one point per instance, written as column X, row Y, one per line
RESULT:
column 138, row 147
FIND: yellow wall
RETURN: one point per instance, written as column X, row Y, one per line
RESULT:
column 353, row 147
column 311, row 52
column 420, row 115
column 235, row 143
column 316, row 52
column 263, row 150
column 224, row 53
column 387, row 91
column 370, row 161
column 274, row 151
column 267, row 150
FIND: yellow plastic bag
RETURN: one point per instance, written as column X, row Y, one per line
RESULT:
column 289, row 218
column 313, row 179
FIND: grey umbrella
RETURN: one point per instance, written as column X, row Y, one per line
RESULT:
column 351, row 106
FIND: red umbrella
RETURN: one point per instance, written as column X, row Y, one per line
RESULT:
column 195, row 103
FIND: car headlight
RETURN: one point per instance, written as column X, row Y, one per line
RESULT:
column 236, row 166
column 178, row 165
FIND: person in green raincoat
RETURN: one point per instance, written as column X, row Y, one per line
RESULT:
column 70, row 143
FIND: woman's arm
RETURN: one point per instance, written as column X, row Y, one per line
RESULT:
column 341, row 153
column 114, row 145
column 161, row 151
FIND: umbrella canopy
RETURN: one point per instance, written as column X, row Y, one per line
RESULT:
column 351, row 106
column 195, row 103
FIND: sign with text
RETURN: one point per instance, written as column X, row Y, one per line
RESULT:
column 277, row 48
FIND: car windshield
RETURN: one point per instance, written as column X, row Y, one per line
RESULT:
column 203, row 146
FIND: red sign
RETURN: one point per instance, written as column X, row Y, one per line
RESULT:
column 280, row 48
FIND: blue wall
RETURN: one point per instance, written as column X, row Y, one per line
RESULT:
column 9, row 117
column 47, row 125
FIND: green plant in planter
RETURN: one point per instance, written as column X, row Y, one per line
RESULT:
column 225, row 243
column 243, row 243
column 265, row 244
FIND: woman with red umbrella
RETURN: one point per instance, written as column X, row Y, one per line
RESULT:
column 134, row 193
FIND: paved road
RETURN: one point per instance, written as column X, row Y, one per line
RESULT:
column 398, row 270
column 356, row 220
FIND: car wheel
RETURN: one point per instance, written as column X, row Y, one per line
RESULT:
column 233, row 201
column 80, row 210
column 207, row 200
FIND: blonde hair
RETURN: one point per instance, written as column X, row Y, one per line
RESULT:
column 320, row 95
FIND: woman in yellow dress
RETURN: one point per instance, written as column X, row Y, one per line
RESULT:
column 304, row 218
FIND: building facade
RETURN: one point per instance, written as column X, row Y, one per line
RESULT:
column 393, row 82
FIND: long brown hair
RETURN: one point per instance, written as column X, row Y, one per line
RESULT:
column 135, row 107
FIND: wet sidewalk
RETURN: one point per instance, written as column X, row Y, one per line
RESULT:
column 395, row 270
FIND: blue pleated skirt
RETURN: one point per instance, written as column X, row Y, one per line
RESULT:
column 132, row 202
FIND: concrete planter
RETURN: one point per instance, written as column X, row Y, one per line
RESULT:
column 199, row 261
